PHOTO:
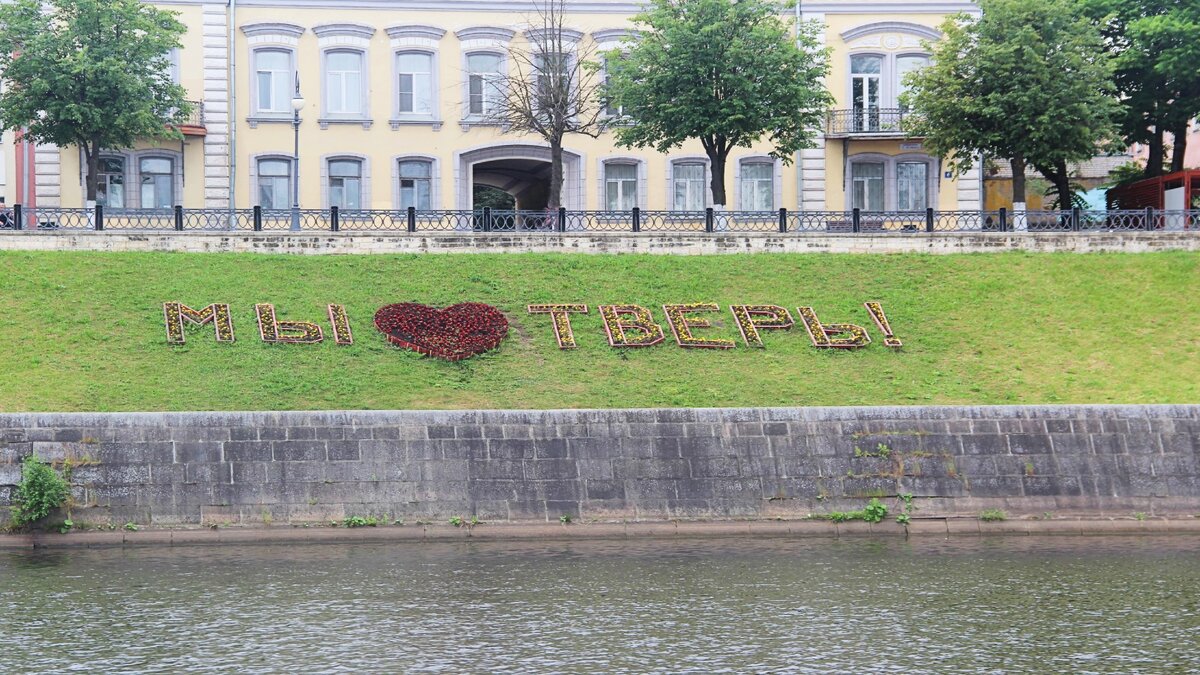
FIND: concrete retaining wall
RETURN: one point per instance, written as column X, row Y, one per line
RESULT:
column 273, row 467
column 670, row 244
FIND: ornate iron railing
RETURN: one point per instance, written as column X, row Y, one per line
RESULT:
column 873, row 121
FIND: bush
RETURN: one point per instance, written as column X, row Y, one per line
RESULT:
column 41, row 491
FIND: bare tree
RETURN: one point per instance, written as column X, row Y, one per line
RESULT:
column 553, row 88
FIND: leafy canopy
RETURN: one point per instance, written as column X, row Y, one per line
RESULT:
column 1028, row 79
column 725, row 72
column 89, row 72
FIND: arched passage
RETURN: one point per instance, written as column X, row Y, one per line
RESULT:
column 521, row 170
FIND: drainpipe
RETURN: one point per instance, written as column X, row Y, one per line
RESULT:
column 799, row 153
column 232, row 113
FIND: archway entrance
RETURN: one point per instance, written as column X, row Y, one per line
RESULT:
column 521, row 170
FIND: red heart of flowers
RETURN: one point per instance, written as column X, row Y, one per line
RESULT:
column 454, row 333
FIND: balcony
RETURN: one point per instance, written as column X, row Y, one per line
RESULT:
column 193, row 124
column 866, row 123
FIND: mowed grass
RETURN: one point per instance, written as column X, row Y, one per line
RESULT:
column 84, row 331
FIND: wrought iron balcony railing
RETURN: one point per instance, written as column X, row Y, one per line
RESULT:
column 193, row 124
column 867, row 122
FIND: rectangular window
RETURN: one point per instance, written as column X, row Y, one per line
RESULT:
column 688, row 187
column 609, row 109
column 867, row 187
column 620, row 187
column 553, row 80
column 345, row 184
column 758, row 187
column 912, row 186
column 110, row 186
column 343, row 82
column 157, row 183
column 483, row 83
column 865, row 80
column 274, row 183
column 273, row 70
column 416, row 83
column 416, row 184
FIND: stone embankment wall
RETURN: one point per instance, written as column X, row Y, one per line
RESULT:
column 613, row 242
column 273, row 467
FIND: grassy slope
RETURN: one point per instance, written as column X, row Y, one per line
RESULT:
column 83, row 331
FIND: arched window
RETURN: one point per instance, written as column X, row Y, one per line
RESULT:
column 866, row 90
column 483, row 83
column 274, row 80
column 416, row 184
column 344, row 86
column 415, row 83
column 274, row 183
column 345, row 184
column 157, row 180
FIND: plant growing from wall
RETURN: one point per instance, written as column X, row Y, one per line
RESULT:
column 40, row 491
column 725, row 72
column 91, row 73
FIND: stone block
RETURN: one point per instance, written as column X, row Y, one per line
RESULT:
column 594, row 468
column 248, row 451
column 496, row 469
column 511, row 449
column 651, row 489
column 551, row 469
column 1051, row 486
column 651, row 468
column 1029, row 444
column 868, row 487
column 207, row 473
column 714, row 467
column 342, row 450
column 148, row 452
column 1071, row 444
column 1113, row 444
column 464, row 448
column 435, row 431
column 595, row 489
column 551, row 448
column 703, row 446
column 1173, row 444
column 993, row 445
column 295, row 451
column 995, row 486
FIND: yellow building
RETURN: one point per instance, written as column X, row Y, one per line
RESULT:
column 396, row 97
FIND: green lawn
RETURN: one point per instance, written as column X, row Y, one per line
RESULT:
column 84, row 331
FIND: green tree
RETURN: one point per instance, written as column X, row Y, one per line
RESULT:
column 725, row 72
column 91, row 73
column 1028, row 81
column 1155, row 47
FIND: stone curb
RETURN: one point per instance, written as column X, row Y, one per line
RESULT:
column 583, row 531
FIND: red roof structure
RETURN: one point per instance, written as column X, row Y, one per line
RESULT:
column 1150, row 192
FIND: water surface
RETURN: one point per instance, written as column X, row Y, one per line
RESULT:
column 1021, row 604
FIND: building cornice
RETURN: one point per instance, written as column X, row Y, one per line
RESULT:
column 811, row 7
column 272, row 28
column 415, row 31
column 485, row 33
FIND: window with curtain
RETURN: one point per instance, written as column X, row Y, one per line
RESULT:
column 483, row 83
column 688, row 187
column 865, row 72
column 157, row 182
column 345, row 183
column 867, row 186
column 912, row 181
column 343, row 82
column 110, row 184
column 273, row 78
column 274, row 183
column 415, row 82
column 620, row 187
column 758, row 187
column 416, row 184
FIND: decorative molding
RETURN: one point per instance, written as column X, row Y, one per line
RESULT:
column 434, row 124
column 357, row 30
column 272, row 28
column 568, row 35
column 495, row 33
column 614, row 35
column 891, row 27
column 324, row 122
column 418, row 31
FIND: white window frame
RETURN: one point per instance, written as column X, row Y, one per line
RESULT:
column 890, row 184
column 705, row 192
column 125, row 179
column 256, row 106
column 256, row 178
column 501, row 69
column 434, row 195
column 776, row 180
column 398, row 115
column 173, row 177
column 889, row 75
column 622, row 183
column 363, row 114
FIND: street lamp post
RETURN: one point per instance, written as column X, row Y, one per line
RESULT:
column 297, row 105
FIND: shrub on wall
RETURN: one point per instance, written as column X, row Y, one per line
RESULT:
column 41, row 491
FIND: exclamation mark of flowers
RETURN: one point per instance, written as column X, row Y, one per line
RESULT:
column 881, row 320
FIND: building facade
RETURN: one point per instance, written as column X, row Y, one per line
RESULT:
column 396, row 99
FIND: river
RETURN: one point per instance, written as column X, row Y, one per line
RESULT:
column 969, row 605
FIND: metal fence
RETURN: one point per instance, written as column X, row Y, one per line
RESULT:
column 854, row 222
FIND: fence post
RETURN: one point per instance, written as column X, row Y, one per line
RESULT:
column 1075, row 218
column 179, row 217
column 708, row 219
column 99, row 217
column 18, row 216
column 334, row 225
column 928, row 219
column 562, row 219
column 487, row 219
column 637, row 219
column 412, row 218
column 258, row 219
column 783, row 219
column 856, row 220
column 1003, row 219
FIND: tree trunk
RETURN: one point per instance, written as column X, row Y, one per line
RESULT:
column 1154, row 160
column 1062, row 185
column 1179, row 148
column 1018, row 182
column 91, row 153
column 717, row 180
column 556, row 174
